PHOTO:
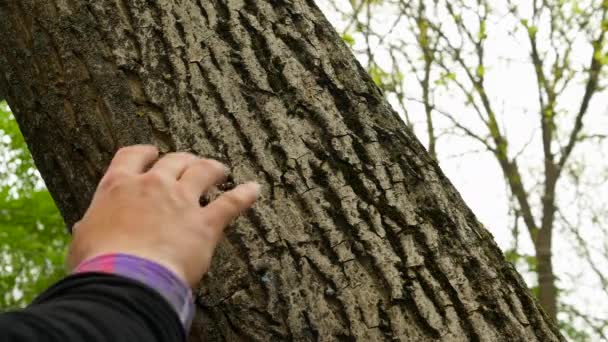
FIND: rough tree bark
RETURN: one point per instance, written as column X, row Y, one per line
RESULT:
column 358, row 236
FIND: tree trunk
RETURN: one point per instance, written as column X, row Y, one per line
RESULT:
column 358, row 235
column 547, row 289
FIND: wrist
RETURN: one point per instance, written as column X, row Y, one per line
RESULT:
column 152, row 274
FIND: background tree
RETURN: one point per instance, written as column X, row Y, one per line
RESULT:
column 445, row 45
column 358, row 236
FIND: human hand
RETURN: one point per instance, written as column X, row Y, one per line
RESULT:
column 155, row 214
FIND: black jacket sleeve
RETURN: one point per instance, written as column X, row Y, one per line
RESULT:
column 94, row 307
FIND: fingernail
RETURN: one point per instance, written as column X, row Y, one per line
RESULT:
column 256, row 187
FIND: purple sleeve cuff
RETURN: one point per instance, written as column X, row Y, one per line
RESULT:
column 155, row 276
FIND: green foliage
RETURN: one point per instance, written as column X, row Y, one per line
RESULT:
column 386, row 81
column 511, row 255
column 349, row 39
column 482, row 34
column 568, row 328
column 526, row 260
column 535, row 290
column 570, row 331
column 445, row 78
column 423, row 27
column 532, row 30
column 601, row 57
column 576, row 8
column 32, row 234
column 480, row 71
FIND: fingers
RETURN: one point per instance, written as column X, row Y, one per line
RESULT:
column 201, row 175
column 174, row 164
column 133, row 159
column 220, row 212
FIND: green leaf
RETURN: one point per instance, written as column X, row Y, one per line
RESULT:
column 602, row 58
column 512, row 256
column 535, row 290
column 444, row 78
column 531, row 262
column 348, row 39
column 480, row 71
column 482, row 34
column 383, row 79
